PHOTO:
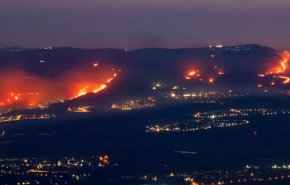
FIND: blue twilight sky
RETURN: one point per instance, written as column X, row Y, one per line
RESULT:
column 144, row 23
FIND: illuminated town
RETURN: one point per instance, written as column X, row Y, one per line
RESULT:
column 247, row 175
column 214, row 119
column 67, row 170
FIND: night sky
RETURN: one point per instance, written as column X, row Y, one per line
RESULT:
column 144, row 23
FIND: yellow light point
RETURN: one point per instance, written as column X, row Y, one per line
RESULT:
column 272, row 83
column 187, row 78
column 36, row 171
column 110, row 80
column 194, row 183
column 261, row 75
column 158, row 85
column 192, row 73
column 197, row 115
column 211, row 80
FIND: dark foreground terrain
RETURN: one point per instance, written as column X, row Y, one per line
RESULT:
column 239, row 154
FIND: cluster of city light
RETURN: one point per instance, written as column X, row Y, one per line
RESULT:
column 284, row 166
column 194, row 125
column 186, row 94
column 247, row 175
column 19, row 117
column 66, row 170
column 239, row 113
column 128, row 105
column 212, row 119
column 135, row 104
column 79, row 109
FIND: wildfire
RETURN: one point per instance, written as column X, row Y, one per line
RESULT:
column 192, row 74
column 213, row 73
column 88, row 89
column 280, row 70
column 83, row 91
column 94, row 87
column 282, row 66
column 20, row 89
column 285, row 78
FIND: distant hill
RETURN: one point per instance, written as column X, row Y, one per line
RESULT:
column 238, row 65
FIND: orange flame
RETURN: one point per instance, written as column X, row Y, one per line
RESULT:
column 279, row 69
column 20, row 89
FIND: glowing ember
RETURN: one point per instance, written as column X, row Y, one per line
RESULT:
column 285, row 78
column 210, row 80
column 192, row 73
column 272, row 83
column 110, row 80
column 187, row 78
column 205, row 73
column 261, row 75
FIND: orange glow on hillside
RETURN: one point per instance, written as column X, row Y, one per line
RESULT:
column 281, row 66
column 279, row 70
column 211, row 75
column 20, row 89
